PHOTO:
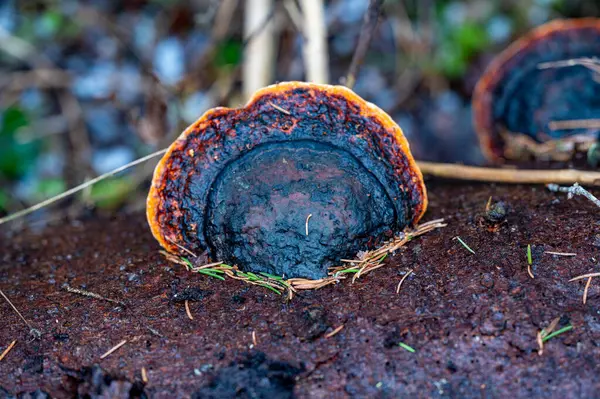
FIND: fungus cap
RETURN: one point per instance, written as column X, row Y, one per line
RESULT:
column 303, row 175
column 517, row 94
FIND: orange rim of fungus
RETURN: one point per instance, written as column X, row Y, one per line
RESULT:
column 483, row 96
column 399, row 151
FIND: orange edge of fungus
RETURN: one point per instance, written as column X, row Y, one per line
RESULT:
column 482, row 95
column 369, row 109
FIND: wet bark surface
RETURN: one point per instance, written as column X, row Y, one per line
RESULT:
column 471, row 318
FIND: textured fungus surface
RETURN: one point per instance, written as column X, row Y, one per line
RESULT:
column 515, row 95
column 247, row 184
column 471, row 318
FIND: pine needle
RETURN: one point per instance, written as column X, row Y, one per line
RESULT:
column 586, row 289
column 408, row 273
column 464, row 244
column 187, row 310
column 558, row 332
column 406, row 347
column 8, row 349
column 113, row 349
column 335, row 331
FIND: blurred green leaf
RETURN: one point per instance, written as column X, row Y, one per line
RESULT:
column 228, row 53
column 458, row 46
column 112, row 193
column 471, row 38
column 49, row 188
column 12, row 120
column 51, row 21
column 4, row 200
column 16, row 158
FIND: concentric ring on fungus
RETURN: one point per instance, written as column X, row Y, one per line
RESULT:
column 302, row 176
column 526, row 89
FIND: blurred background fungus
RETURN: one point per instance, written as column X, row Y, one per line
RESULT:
column 88, row 86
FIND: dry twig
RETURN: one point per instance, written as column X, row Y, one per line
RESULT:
column 575, row 189
column 518, row 176
column 573, row 124
column 90, row 294
column 366, row 35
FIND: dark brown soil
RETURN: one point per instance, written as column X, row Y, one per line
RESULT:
column 472, row 319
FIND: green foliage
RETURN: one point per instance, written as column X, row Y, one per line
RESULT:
column 49, row 188
column 51, row 22
column 558, row 332
column 112, row 193
column 228, row 53
column 4, row 201
column 16, row 158
column 458, row 46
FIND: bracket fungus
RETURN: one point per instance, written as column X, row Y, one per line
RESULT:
column 540, row 91
column 304, row 175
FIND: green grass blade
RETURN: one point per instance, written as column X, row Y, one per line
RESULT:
column 557, row 332
column 464, row 244
column 406, row 347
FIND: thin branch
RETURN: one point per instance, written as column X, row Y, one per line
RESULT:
column 575, row 189
column 78, row 188
column 366, row 35
column 33, row 331
column 572, row 124
column 500, row 175
column 90, row 294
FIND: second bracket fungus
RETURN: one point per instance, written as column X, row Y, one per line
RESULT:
column 543, row 89
column 302, row 176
